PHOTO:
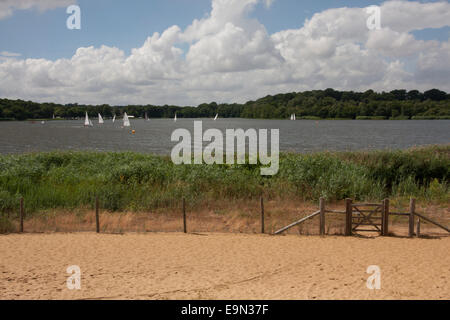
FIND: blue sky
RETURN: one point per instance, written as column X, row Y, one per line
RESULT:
column 126, row 24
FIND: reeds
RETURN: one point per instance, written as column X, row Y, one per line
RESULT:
column 133, row 182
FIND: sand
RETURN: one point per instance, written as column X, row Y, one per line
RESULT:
column 221, row 266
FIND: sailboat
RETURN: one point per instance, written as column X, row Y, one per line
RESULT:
column 293, row 117
column 100, row 119
column 175, row 119
column 126, row 121
column 87, row 122
column 114, row 118
column 146, row 117
column 217, row 116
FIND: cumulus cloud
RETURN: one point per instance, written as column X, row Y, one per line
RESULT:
column 406, row 16
column 231, row 57
column 7, row 7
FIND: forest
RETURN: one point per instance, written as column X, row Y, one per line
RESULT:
column 314, row 105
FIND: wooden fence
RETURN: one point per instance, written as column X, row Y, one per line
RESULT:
column 367, row 214
column 356, row 215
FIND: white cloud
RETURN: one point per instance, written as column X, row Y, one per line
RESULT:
column 406, row 16
column 9, row 54
column 232, row 58
column 7, row 7
column 268, row 3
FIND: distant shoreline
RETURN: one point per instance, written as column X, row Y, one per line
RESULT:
column 312, row 105
column 298, row 119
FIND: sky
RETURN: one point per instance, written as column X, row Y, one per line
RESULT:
column 187, row 52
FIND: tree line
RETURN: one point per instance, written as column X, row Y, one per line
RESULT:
column 316, row 104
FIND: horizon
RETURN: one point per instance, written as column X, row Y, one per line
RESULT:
column 188, row 52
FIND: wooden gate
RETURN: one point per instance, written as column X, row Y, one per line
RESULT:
column 367, row 217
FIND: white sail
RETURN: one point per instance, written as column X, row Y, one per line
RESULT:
column 114, row 118
column 175, row 119
column 217, row 116
column 100, row 119
column 90, row 123
column 86, row 120
column 295, row 118
column 126, row 121
column 146, row 117
column 292, row 117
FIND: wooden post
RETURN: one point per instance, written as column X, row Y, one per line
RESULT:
column 21, row 214
column 184, row 216
column 348, row 217
column 412, row 209
column 418, row 228
column 385, row 219
column 322, row 216
column 97, row 217
column 262, row 215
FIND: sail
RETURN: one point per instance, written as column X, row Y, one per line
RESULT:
column 126, row 121
column 175, row 119
column 100, row 119
column 86, row 120
column 295, row 118
column 217, row 116
column 114, row 118
column 90, row 123
column 146, row 117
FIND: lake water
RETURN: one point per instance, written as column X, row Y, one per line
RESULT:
column 154, row 136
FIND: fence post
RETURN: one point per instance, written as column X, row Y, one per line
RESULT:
column 21, row 214
column 385, row 219
column 322, row 216
column 262, row 215
column 184, row 216
column 418, row 228
column 412, row 209
column 97, row 217
column 348, row 217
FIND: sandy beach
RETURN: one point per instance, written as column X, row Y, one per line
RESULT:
column 221, row 266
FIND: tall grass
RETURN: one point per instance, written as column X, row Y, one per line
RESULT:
column 129, row 181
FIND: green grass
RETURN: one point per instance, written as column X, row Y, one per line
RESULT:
column 370, row 118
column 431, row 118
column 138, row 182
column 399, row 118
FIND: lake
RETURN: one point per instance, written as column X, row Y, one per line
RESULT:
column 154, row 136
